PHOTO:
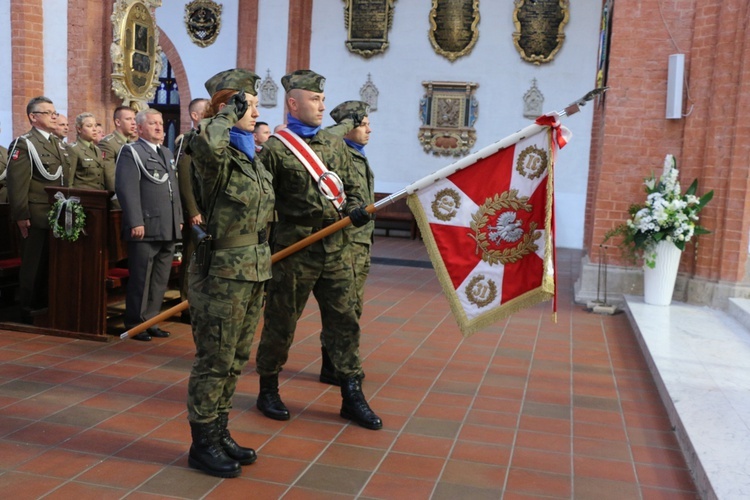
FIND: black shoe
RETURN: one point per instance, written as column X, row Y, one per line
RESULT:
column 143, row 336
column 269, row 402
column 207, row 454
column 355, row 407
column 245, row 456
column 157, row 332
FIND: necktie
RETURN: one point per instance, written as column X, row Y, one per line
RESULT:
column 161, row 154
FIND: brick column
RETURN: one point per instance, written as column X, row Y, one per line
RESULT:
column 27, row 49
column 300, row 32
column 89, row 83
column 180, row 76
column 247, row 34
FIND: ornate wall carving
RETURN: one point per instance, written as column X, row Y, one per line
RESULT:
column 448, row 111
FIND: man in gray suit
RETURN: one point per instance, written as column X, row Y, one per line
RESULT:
column 149, row 194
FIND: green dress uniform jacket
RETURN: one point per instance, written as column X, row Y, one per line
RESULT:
column 26, row 194
column 87, row 167
column 110, row 147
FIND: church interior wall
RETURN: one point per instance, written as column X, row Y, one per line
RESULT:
column 273, row 30
column 56, row 54
column 6, row 75
column 503, row 77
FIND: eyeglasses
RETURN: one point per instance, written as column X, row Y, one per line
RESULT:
column 54, row 114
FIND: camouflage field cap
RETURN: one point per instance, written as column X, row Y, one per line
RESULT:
column 234, row 79
column 350, row 108
column 304, row 79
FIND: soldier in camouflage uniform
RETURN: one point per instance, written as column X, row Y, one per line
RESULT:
column 322, row 268
column 360, row 238
column 125, row 132
column 227, row 270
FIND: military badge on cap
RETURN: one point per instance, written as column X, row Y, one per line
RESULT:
column 304, row 79
column 234, row 79
column 349, row 109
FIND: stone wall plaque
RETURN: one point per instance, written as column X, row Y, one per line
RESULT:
column 367, row 25
column 268, row 91
column 448, row 111
column 539, row 28
column 453, row 27
column 369, row 93
column 533, row 102
column 203, row 21
column 135, row 52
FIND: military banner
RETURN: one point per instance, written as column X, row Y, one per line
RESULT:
column 489, row 229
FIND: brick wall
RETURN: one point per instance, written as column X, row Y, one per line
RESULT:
column 27, row 51
column 631, row 134
column 300, row 33
column 247, row 33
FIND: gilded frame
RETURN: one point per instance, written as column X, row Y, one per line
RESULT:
column 135, row 52
column 368, row 46
column 454, row 12
column 539, row 40
column 448, row 112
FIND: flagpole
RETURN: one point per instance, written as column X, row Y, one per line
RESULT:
column 422, row 183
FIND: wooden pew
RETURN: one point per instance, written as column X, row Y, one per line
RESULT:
column 397, row 215
column 10, row 256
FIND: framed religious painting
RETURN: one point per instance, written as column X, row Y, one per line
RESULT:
column 448, row 111
column 135, row 52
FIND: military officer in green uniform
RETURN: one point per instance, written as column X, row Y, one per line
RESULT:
column 360, row 238
column 125, row 131
column 36, row 160
column 229, row 267
column 322, row 268
column 87, row 164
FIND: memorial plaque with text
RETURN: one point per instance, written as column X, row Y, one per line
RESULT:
column 453, row 27
column 367, row 24
column 539, row 28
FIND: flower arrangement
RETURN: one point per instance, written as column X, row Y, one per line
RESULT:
column 667, row 215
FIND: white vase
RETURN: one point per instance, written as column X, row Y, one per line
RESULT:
column 658, row 283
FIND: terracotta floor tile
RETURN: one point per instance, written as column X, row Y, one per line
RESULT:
column 663, row 477
column 293, row 447
column 15, row 453
column 417, row 444
column 482, row 453
column 591, row 488
column 241, row 488
column 557, row 443
column 614, row 470
column 154, row 450
column 415, row 466
column 389, row 486
column 354, row 457
column 23, row 485
column 542, row 461
column 333, row 479
column 275, row 469
column 538, row 483
column 58, row 463
column 44, row 433
column 80, row 490
column 118, row 473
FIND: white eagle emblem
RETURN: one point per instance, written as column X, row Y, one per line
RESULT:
column 507, row 229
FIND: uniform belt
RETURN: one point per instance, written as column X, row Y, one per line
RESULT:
column 242, row 240
column 318, row 222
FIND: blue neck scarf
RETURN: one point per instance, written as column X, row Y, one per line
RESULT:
column 359, row 147
column 299, row 128
column 242, row 140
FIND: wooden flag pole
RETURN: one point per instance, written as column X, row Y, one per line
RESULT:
column 572, row 108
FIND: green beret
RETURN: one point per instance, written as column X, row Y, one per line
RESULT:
column 350, row 108
column 304, row 79
column 234, row 79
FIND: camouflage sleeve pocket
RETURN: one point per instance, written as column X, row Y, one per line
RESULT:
column 211, row 306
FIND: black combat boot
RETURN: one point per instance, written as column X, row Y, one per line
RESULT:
column 269, row 402
column 355, row 407
column 206, row 453
column 245, row 456
column 327, row 371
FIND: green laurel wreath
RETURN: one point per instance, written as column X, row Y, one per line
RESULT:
column 58, row 211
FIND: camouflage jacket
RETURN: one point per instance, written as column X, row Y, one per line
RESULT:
column 297, row 193
column 362, row 175
column 236, row 196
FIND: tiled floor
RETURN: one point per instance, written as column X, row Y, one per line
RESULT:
column 527, row 408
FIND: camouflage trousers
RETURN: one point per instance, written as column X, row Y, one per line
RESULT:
column 330, row 279
column 224, row 315
column 360, row 258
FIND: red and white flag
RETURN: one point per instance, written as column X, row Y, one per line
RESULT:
column 489, row 229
